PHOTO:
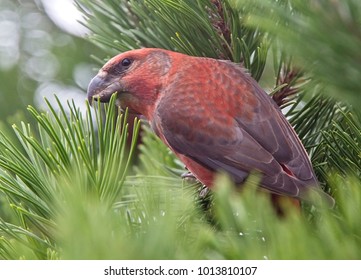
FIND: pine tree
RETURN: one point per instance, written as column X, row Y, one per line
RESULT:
column 72, row 190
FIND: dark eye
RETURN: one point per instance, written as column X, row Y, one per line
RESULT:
column 121, row 66
column 126, row 62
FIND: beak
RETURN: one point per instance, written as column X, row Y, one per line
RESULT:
column 102, row 88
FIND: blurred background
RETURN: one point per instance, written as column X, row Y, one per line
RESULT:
column 42, row 52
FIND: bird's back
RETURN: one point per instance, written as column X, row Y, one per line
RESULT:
column 216, row 114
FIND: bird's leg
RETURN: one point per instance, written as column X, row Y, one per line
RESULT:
column 188, row 175
column 204, row 191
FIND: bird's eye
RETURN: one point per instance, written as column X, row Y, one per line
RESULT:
column 121, row 67
column 126, row 62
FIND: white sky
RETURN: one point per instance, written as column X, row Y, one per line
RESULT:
column 65, row 14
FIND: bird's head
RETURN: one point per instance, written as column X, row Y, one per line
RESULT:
column 136, row 76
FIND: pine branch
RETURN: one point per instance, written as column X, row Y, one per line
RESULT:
column 66, row 150
column 200, row 28
column 323, row 36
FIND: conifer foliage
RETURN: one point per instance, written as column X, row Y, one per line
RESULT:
column 71, row 189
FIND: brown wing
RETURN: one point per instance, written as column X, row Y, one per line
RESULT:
column 219, row 116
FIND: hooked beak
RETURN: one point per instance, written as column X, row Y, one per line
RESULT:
column 102, row 88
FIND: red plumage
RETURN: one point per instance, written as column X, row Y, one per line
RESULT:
column 213, row 115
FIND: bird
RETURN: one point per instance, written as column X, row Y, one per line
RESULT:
column 214, row 116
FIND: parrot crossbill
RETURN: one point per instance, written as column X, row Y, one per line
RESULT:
column 213, row 115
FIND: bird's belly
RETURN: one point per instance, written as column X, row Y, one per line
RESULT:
column 204, row 175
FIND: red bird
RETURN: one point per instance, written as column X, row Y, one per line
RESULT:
column 212, row 114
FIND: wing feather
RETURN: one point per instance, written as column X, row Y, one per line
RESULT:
column 236, row 127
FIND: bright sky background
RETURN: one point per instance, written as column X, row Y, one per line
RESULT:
column 65, row 14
